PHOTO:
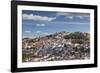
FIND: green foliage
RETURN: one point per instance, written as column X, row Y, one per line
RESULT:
column 26, row 57
column 77, row 37
column 79, row 41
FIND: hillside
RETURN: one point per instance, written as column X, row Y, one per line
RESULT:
column 58, row 46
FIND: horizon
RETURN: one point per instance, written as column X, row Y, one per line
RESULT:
column 50, row 34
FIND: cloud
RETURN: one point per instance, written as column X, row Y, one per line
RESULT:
column 37, row 17
column 27, row 31
column 24, row 36
column 46, row 33
column 40, row 25
column 71, row 23
column 38, row 31
column 62, row 13
column 78, row 23
column 83, row 16
column 80, row 17
column 72, row 15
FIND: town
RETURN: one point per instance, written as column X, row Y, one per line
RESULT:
column 56, row 47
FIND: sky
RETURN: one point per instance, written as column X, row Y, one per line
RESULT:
column 41, row 23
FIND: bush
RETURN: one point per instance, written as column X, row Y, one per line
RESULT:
column 75, row 35
column 25, row 57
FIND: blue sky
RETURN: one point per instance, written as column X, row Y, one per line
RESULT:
column 41, row 23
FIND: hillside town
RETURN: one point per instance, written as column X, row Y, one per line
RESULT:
column 56, row 47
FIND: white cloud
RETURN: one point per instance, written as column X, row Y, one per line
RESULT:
column 70, row 17
column 37, row 17
column 38, row 31
column 24, row 36
column 75, row 14
column 40, row 25
column 62, row 13
column 27, row 31
column 77, row 23
column 67, row 15
column 82, row 16
column 46, row 33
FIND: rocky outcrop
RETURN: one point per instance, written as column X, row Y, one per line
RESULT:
column 54, row 48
